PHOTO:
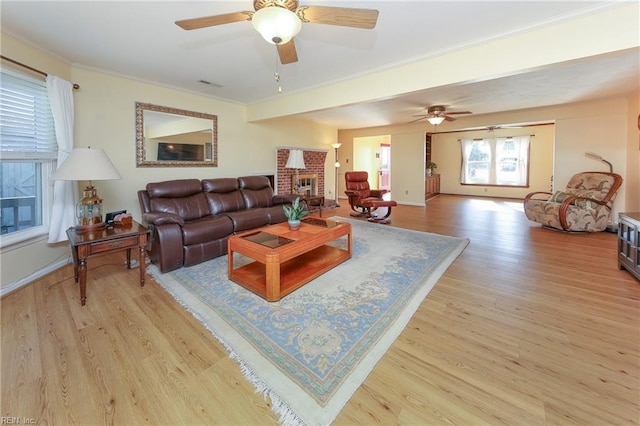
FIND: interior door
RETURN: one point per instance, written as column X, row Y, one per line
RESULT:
column 385, row 166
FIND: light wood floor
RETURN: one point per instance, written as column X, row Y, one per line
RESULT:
column 527, row 327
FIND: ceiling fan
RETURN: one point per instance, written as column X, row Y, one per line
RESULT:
column 437, row 114
column 278, row 21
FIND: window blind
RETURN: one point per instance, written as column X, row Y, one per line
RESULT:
column 26, row 123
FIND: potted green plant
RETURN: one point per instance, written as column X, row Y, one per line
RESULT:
column 431, row 166
column 294, row 213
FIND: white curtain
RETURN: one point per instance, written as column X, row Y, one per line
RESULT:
column 65, row 193
column 522, row 146
column 466, row 145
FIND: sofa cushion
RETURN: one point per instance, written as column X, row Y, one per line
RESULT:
column 244, row 220
column 560, row 196
column 275, row 213
column 174, row 188
column 206, row 229
column 223, row 195
column 256, row 190
column 189, row 208
column 182, row 197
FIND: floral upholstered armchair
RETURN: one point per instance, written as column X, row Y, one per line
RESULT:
column 584, row 205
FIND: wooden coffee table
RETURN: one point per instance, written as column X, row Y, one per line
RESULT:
column 285, row 260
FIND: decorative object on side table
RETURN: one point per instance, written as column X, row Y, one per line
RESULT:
column 123, row 219
column 294, row 213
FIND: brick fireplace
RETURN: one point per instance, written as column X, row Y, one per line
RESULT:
column 313, row 173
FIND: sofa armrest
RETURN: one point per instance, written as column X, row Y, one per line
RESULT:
column 284, row 199
column 533, row 194
column 377, row 192
column 158, row 219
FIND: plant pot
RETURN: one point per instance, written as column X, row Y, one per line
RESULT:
column 429, row 172
column 294, row 225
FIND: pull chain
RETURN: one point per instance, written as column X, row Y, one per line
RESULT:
column 276, row 74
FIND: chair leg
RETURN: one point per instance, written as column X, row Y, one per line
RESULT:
column 356, row 213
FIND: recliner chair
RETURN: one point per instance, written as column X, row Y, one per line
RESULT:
column 583, row 206
column 363, row 199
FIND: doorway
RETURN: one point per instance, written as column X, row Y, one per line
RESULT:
column 385, row 166
column 373, row 155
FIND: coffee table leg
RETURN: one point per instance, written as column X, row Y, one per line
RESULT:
column 272, row 279
column 229, row 262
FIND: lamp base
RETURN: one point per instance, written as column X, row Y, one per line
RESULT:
column 89, row 228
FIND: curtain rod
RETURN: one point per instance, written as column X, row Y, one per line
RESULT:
column 505, row 137
column 75, row 86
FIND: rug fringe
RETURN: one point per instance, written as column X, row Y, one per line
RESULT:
column 287, row 416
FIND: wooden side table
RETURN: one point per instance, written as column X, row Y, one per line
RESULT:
column 89, row 243
column 315, row 201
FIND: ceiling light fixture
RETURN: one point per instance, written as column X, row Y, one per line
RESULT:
column 435, row 120
column 276, row 24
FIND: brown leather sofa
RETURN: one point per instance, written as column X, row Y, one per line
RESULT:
column 191, row 220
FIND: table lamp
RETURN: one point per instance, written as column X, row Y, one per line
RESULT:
column 296, row 161
column 87, row 164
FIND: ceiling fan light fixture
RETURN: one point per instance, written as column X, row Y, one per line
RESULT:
column 277, row 25
column 435, row 120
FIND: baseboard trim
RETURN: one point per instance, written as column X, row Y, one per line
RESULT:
column 34, row 276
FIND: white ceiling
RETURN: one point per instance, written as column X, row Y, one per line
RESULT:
column 140, row 40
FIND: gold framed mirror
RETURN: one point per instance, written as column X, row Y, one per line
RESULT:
column 171, row 137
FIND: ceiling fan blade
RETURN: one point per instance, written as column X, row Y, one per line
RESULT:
column 459, row 112
column 210, row 21
column 446, row 117
column 343, row 16
column 417, row 119
column 287, row 52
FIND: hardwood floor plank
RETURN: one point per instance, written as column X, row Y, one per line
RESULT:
column 527, row 326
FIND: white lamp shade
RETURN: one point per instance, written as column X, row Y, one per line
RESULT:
column 87, row 164
column 277, row 25
column 336, row 145
column 435, row 120
column 296, row 159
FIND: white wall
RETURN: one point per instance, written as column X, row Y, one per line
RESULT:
column 408, row 153
column 105, row 119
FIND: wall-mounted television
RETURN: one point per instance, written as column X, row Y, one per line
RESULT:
column 180, row 152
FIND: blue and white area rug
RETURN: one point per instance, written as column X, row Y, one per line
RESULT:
column 310, row 351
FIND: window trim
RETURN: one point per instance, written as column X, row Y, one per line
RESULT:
column 48, row 164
